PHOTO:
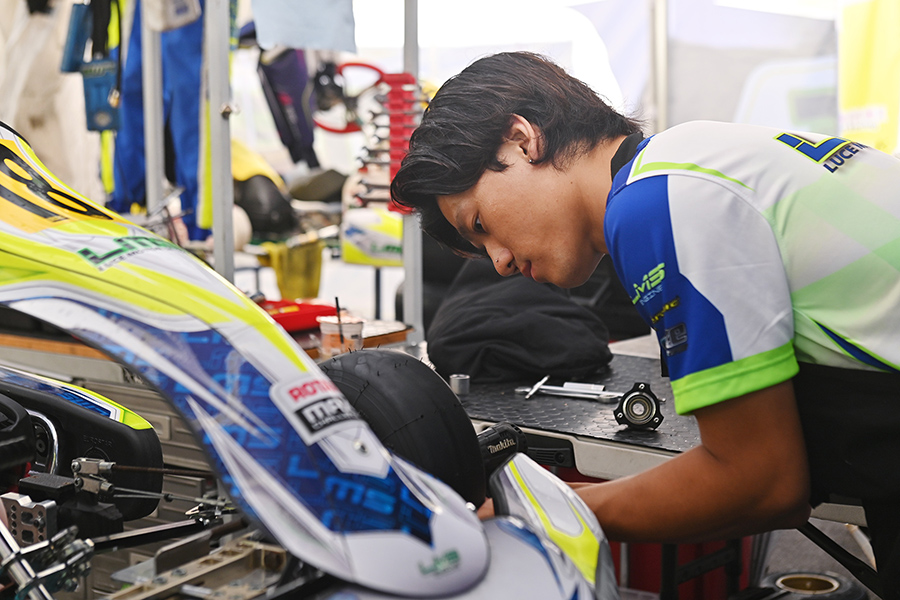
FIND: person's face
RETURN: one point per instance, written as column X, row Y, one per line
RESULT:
column 529, row 218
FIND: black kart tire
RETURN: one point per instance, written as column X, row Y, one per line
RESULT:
column 414, row 413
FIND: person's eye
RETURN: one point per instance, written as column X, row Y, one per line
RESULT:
column 478, row 227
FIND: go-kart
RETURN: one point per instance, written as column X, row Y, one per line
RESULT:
column 295, row 461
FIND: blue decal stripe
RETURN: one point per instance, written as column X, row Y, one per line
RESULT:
column 85, row 403
column 857, row 352
column 65, row 393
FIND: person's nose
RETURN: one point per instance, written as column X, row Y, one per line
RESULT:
column 503, row 260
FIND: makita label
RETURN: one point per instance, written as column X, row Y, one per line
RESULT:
column 503, row 445
column 324, row 413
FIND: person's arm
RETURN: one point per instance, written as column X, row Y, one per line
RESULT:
column 748, row 475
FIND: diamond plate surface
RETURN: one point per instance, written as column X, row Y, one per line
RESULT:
column 588, row 418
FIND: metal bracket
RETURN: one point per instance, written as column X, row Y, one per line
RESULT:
column 29, row 522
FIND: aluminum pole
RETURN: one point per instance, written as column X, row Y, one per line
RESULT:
column 412, row 236
column 660, row 41
column 217, row 47
column 152, row 93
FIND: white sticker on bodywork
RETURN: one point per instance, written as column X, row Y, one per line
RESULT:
column 314, row 406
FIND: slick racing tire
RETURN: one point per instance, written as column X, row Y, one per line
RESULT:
column 804, row 585
column 414, row 413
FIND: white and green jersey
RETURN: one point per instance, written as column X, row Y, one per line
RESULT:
column 749, row 248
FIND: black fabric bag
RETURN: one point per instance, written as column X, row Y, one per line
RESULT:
column 851, row 426
column 497, row 329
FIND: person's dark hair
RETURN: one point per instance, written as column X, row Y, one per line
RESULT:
column 465, row 123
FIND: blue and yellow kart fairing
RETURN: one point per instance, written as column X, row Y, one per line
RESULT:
column 290, row 451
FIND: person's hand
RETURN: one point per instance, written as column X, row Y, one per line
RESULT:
column 748, row 475
column 486, row 510
column 576, row 485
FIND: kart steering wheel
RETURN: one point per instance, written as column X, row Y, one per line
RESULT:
column 351, row 102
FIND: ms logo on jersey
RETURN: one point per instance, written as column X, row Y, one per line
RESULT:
column 649, row 286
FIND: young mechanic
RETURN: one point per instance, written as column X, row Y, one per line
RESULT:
column 767, row 262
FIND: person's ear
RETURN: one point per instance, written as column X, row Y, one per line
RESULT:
column 525, row 136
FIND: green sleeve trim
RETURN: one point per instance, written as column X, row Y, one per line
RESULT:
column 734, row 379
column 642, row 169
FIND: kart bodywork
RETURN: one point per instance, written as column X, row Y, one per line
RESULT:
column 289, row 451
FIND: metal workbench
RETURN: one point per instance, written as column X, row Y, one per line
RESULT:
column 571, row 432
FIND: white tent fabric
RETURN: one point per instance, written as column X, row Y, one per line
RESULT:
column 308, row 24
column 723, row 58
column 770, row 63
column 453, row 34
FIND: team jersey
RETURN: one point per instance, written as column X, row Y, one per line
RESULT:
column 749, row 248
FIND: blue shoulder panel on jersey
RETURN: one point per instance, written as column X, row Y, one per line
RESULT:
column 638, row 232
